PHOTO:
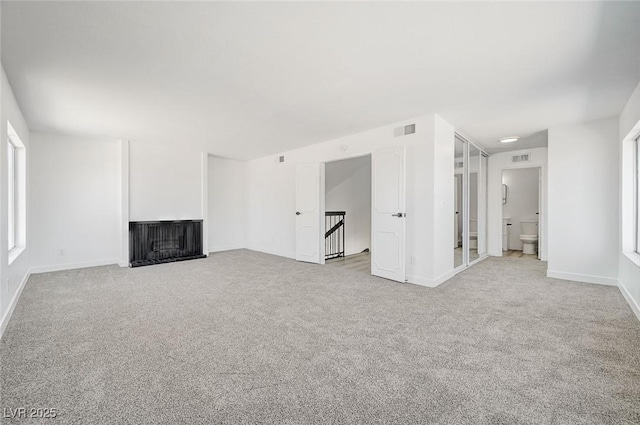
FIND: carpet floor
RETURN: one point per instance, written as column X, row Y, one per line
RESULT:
column 245, row 337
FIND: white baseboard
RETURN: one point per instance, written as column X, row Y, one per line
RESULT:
column 72, row 266
column 635, row 307
column 13, row 303
column 431, row 283
column 586, row 278
column 272, row 252
column 226, row 248
column 416, row 280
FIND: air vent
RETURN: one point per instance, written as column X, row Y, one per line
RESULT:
column 517, row 159
column 281, row 159
column 403, row 131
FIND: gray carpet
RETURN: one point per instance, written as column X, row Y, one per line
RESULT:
column 244, row 337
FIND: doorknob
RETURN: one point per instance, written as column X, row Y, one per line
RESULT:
column 297, row 212
column 399, row 215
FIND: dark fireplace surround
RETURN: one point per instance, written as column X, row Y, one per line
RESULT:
column 155, row 242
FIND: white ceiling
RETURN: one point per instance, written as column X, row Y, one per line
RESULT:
column 245, row 80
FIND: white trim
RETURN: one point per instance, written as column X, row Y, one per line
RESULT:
column 13, row 303
column 634, row 257
column 415, row 280
column 72, row 266
column 225, row 248
column 15, row 253
column 432, row 283
column 627, row 296
column 585, row 278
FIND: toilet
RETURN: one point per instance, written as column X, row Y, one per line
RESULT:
column 473, row 233
column 529, row 235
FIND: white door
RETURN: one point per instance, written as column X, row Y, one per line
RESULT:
column 388, row 214
column 307, row 212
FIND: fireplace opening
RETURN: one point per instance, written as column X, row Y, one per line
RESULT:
column 155, row 242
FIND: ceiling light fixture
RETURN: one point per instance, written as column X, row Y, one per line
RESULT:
column 510, row 139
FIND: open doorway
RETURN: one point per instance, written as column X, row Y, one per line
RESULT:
column 348, row 213
column 521, row 194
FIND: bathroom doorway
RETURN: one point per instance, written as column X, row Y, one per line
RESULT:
column 521, row 212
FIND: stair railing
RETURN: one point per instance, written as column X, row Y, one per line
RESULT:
column 334, row 236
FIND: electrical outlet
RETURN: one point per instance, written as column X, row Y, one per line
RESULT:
column 61, row 252
column 413, row 259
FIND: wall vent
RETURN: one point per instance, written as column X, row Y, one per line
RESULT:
column 403, row 131
column 281, row 158
column 517, row 159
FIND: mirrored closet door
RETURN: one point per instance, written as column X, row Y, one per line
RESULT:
column 458, row 213
column 470, row 225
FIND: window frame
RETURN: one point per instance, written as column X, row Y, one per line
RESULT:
column 12, row 202
column 636, row 191
column 17, row 189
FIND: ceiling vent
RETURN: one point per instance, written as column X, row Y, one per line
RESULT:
column 517, row 159
column 403, row 131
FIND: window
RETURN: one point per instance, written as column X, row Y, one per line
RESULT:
column 11, row 202
column 16, row 194
column 637, row 194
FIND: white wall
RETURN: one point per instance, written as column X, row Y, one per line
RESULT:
column 429, row 175
column 583, row 198
column 502, row 161
column 14, row 276
column 522, row 200
column 227, row 201
column 439, row 199
column 628, row 262
column 75, row 202
column 348, row 188
column 165, row 183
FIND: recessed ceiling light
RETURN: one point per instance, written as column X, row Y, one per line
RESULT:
column 510, row 139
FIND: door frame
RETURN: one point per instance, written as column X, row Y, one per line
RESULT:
column 542, row 207
column 323, row 194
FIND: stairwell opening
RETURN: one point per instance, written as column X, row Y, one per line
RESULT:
column 347, row 230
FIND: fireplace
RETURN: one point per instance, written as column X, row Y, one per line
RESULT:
column 154, row 242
